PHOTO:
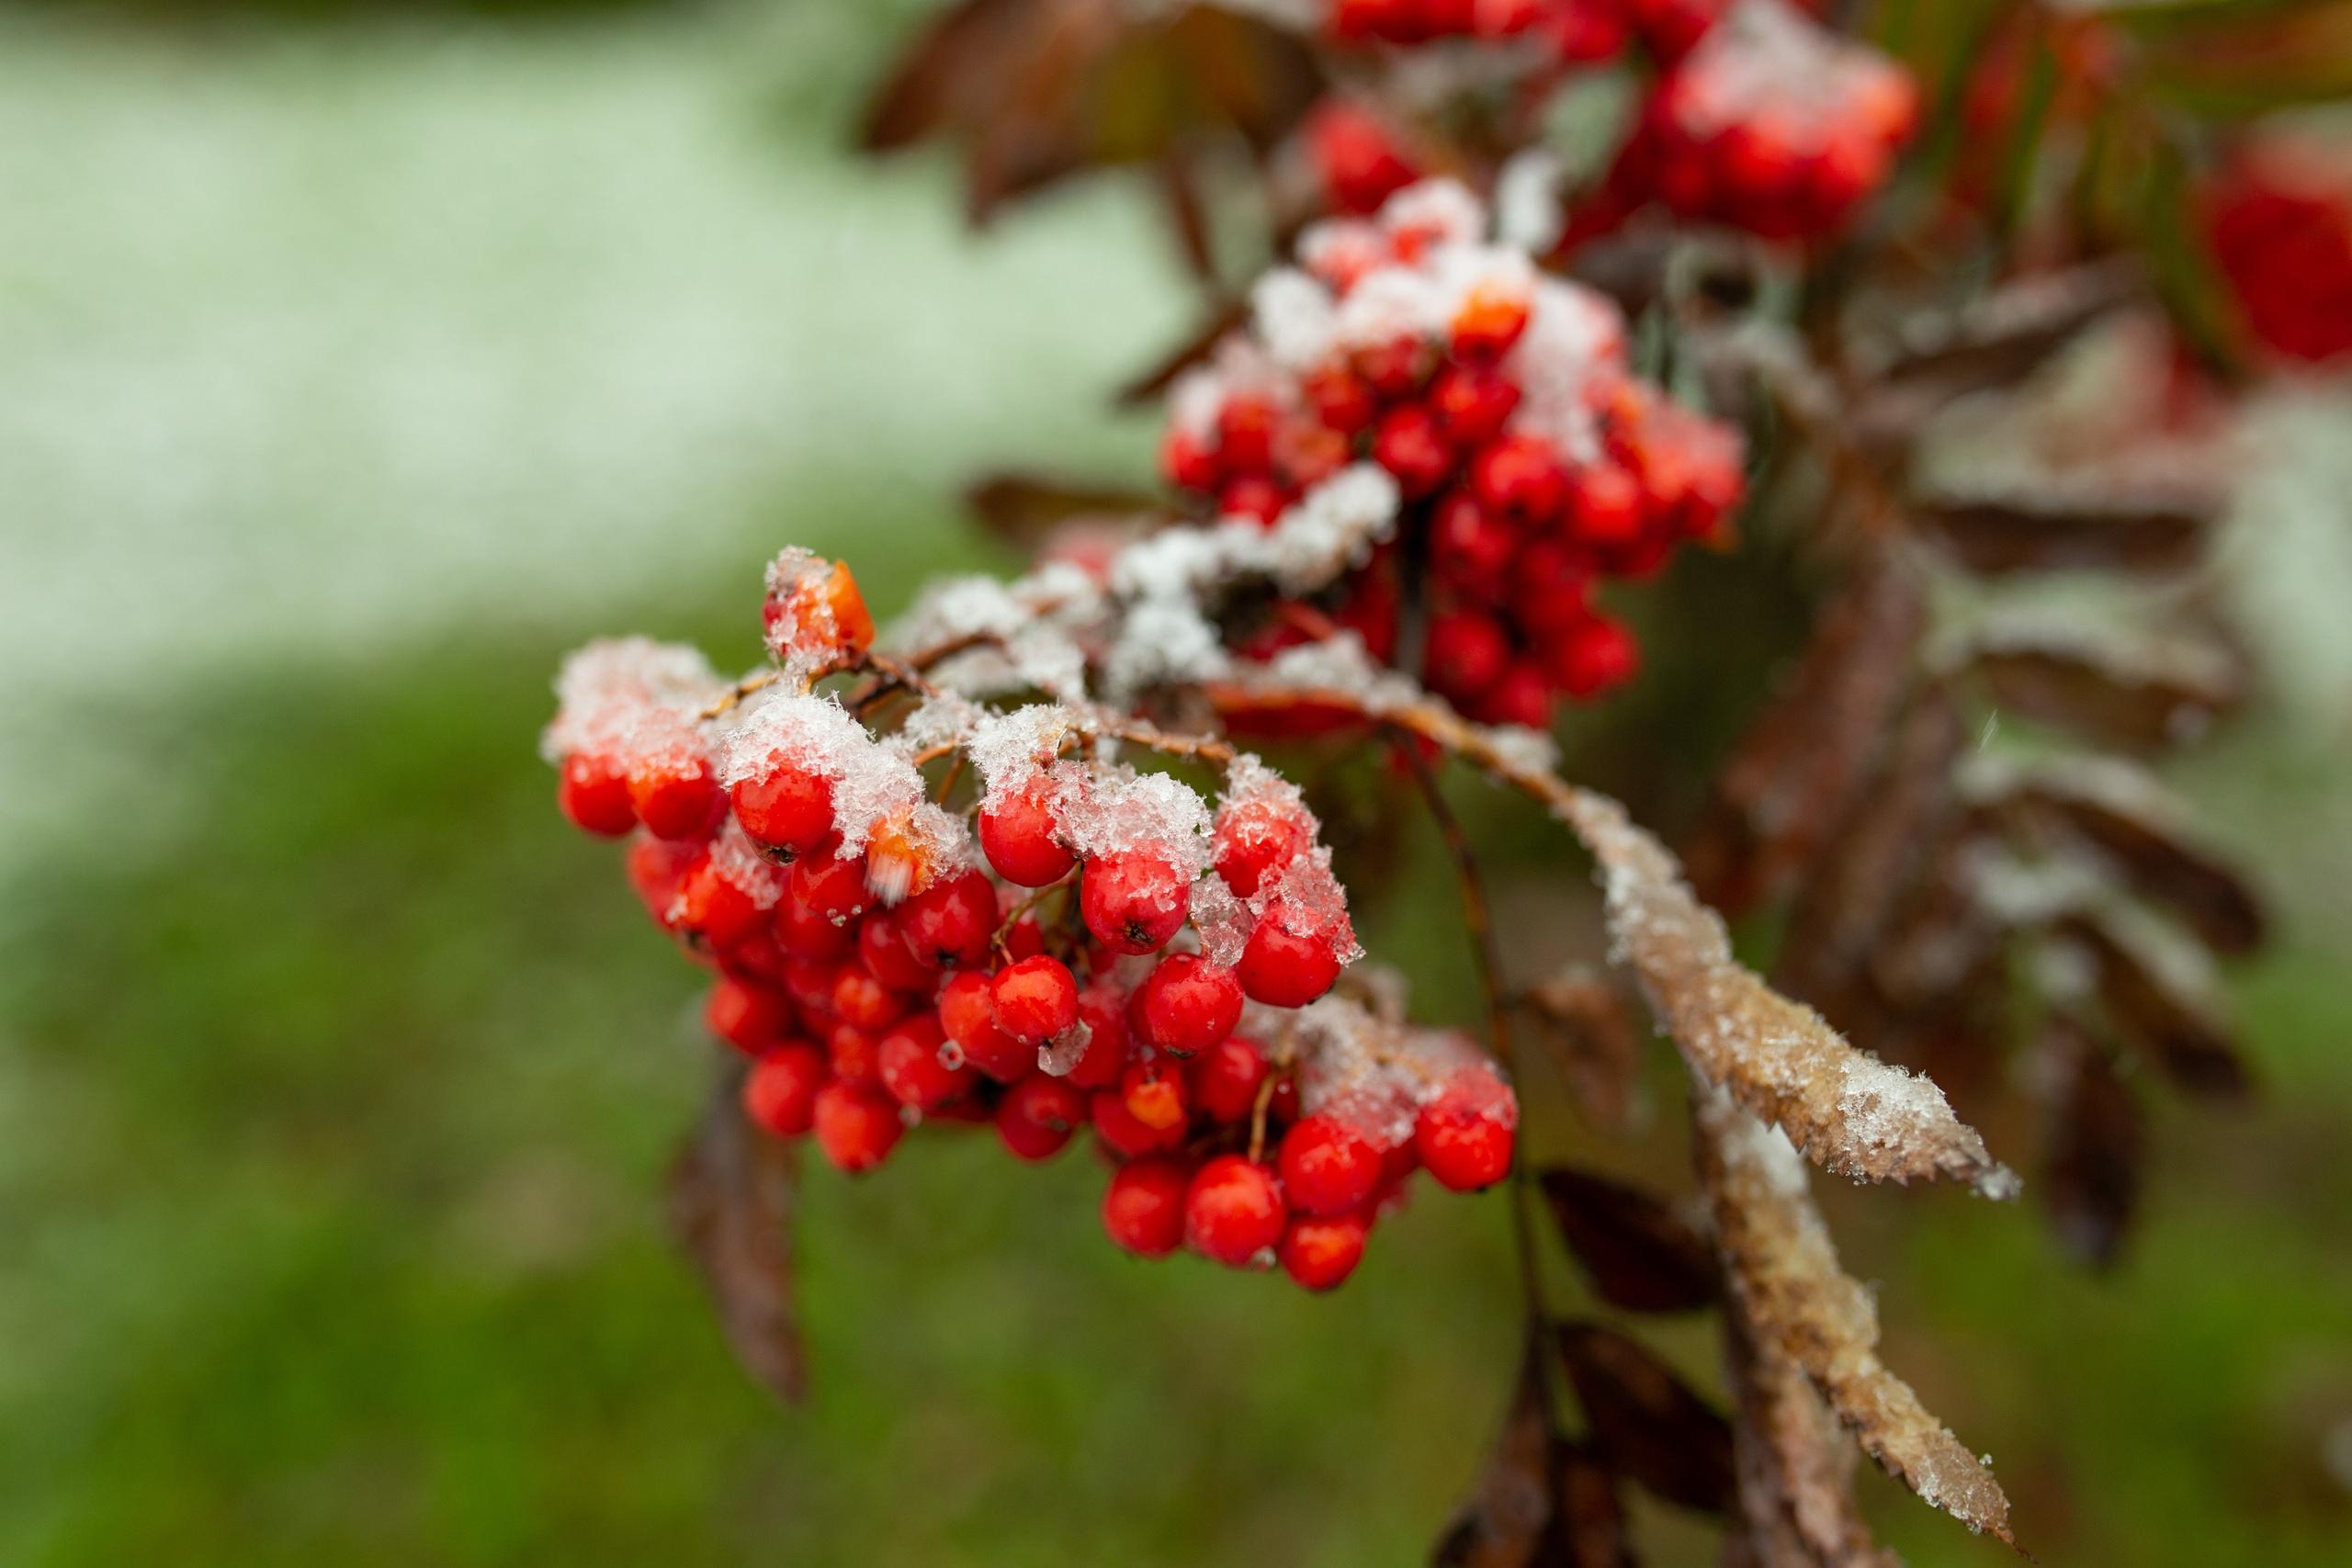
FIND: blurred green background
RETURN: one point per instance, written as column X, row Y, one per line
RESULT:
column 352, row 367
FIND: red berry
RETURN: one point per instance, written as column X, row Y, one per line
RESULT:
column 882, row 948
column 1245, row 435
column 1282, row 968
column 787, row 808
column 863, row 1002
column 1104, row 1012
column 1520, row 476
column 1034, row 1000
column 1593, row 654
column 1465, row 1134
column 594, row 795
column 917, row 1071
column 1187, row 1005
column 1155, row 1093
column 1038, row 1115
column 1233, row 1211
column 657, row 870
column 823, row 895
column 1396, row 369
column 1328, row 1168
column 1225, row 1079
column 1489, row 322
column 1187, row 461
column 1255, row 837
column 967, row 1011
column 949, row 923
column 1341, row 399
column 1467, row 654
column 1604, row 505
column 711, row 908
column 780, row 1091
column 809, row 983
column 1254, row 496
column 1017, row 834
column 1320, row 1252
column 1472, row 402
column 1520, row 696
column 1361, row 163
column 1122, row 1134
column 856, row 1055
column 1409, row 445
column 1471, row 547
column 856, row 1126
column 749, row 1018
column 1132, row 901
column 1143, row 1209
column 675, row 796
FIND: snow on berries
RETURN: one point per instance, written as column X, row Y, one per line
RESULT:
column 942, row 913
column 1771, row 123
column 1526, row 461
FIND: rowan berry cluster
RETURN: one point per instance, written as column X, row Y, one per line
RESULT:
column 1532, row 463
column 1769, row 123
column 1082, row 946
column 2280, row 223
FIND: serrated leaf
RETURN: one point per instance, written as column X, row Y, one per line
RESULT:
column 2043, row 532
column 2136, row 691
column 1588, row 1026
column 2159, row 995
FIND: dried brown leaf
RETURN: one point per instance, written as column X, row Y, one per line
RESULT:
column 1022, row 509
column 1646, row 1423
column 1588, row 1026
column 2091, row 1185
column 1034, row 90
column 1789, row 779
column 1639, row 1253
column 1588, row 1526
column 1152, row 383
column 1793, row 1465
column 2001, row 339
column 2120, row 813
column 2141, row 693
column 1782, row 1272
column 2042, row 532
column 1503, row 1523
column 732, row 1193
column 1854, row 890
column 1851, row 1112
column 2159, row 994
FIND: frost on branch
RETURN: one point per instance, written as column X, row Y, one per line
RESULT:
column 1783, row 1274
column 1851, row 1112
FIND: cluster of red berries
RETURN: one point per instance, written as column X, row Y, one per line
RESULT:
column 1771, row 124
column 1530, row 461
column 885, row 963
column 2280, row 222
